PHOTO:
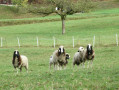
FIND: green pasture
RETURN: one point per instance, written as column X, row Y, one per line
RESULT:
column 103, row 76
column 83, row 31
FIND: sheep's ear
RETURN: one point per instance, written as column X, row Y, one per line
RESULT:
column 87, row 47
column 14, row 54
column 13, row 58
column 91, row 48
column 58, row 50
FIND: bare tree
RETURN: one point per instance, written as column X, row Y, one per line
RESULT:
column 63, row 8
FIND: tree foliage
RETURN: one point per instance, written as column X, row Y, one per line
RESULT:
column 62, row 8
column 20, row 2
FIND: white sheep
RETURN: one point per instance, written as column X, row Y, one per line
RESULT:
column 58, row 57
column 19, row 61
column 61, row 63
column 78, row 57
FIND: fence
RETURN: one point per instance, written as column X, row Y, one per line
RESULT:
column 54, row 42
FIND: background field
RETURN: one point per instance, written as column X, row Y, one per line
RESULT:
column 104, row 24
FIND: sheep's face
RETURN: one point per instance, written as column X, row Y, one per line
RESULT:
column 16, row 54
column 61, row 49
column 67, row 56
column 81, row 49
column 89, row 49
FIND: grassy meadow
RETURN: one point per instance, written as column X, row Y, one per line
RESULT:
column 103, row 76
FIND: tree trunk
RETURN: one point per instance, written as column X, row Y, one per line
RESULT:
column 63, row 25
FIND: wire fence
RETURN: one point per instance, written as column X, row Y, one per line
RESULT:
column 54, row 42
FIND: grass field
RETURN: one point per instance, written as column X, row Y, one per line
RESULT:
column 103, row 76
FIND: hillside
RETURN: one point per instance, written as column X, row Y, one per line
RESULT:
column 12, row 13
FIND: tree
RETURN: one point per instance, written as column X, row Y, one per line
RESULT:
column 62, row 8
column 69, row 7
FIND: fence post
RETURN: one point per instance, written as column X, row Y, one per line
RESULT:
column 1, row 41
column 37, row 42
column 117, row 39
column 73, row 41
column 54, row 41
column 94, row 41
column 18, row 42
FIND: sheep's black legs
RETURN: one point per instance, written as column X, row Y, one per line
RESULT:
column 20, row 68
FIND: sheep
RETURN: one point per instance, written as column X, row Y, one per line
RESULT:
column 57, row 57
column 67, row 57
column 19, row 61
column 89, row 55
column 61, row 63
column 78, row 57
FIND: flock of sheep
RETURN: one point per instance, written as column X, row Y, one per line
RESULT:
column 59, row 58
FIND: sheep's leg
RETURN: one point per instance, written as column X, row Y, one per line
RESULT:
column 50, row 66
column 91, row 63
column 54, row 66
column 20, row 68
column 59, row 68
column 78, row 66
column 88, row 65
column 14, row 69
column 64, row 66
column 83, row 65
column 26, row 68
column 73, row 64
column 17, row 70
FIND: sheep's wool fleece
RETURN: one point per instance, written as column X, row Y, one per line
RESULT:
column 24, row 60
column 60, row 58
column 78, row 55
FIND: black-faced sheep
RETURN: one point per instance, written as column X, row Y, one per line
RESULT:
column 78, row 57
column 61, row 63
column 57, row 57
column 67, row 57
column 89, row 54
column 19, row 61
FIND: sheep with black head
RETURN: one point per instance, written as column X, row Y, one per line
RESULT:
column 89, row 55
column 67, row 57
column 61, row 63
column 19, row 61
column 58, row 58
